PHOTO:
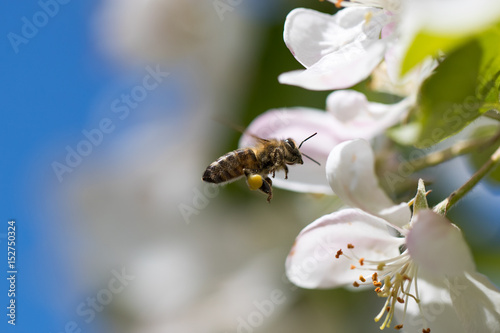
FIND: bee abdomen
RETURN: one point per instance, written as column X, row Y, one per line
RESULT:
column 230, row 166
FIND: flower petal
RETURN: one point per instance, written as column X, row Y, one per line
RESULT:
column 454, row 18
column 310, row 34
column 350, row 172
column 340, row 69
column 363, row 119
column 312, row 263
column 338, row 51
column 298, row 124
column 437, row 246
column 467, row 302
column 434, row 311
column 477, row 303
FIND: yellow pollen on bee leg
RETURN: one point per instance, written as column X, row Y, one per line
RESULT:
column 255, row 182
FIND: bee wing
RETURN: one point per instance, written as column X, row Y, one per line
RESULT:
column 242, row 130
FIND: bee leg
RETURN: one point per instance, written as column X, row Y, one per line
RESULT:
column 286, row 171
column 267, row 188
column 279, row 162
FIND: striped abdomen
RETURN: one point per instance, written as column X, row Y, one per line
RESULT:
column 230, row 166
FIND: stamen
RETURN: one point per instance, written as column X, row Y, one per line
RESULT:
column 396, row 275
column 426, row 330
column 368, row 17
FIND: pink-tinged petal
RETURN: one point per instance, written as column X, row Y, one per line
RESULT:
column 310, row 35
column 312, row 263
column 298, row 124
column 340, row 69
column 362, row 119
column 351, row 173
column 388, row 30
column 437, row 246
column 477, row 302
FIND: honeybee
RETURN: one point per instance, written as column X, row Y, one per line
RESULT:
column 256, row 163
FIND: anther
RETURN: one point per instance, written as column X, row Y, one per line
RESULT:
column 350, row 246
column 400, row 300
column 339, row 253
column 353, row 267
column 355, row 284
column 426, row 330
column 375, row 276
column 361, row 261
column 377, row 284
column 398, row 327
column 362, row 279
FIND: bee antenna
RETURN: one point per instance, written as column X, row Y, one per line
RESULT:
column 306, row 140
column 311, row 159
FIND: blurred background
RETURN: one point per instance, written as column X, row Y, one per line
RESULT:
column 107, row 126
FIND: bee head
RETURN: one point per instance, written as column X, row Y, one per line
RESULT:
column 293, row 155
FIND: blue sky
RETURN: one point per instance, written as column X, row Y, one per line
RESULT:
column 46, row 88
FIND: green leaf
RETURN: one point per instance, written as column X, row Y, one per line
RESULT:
column 464, row 86
column 448, row 99
column 428, row 44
